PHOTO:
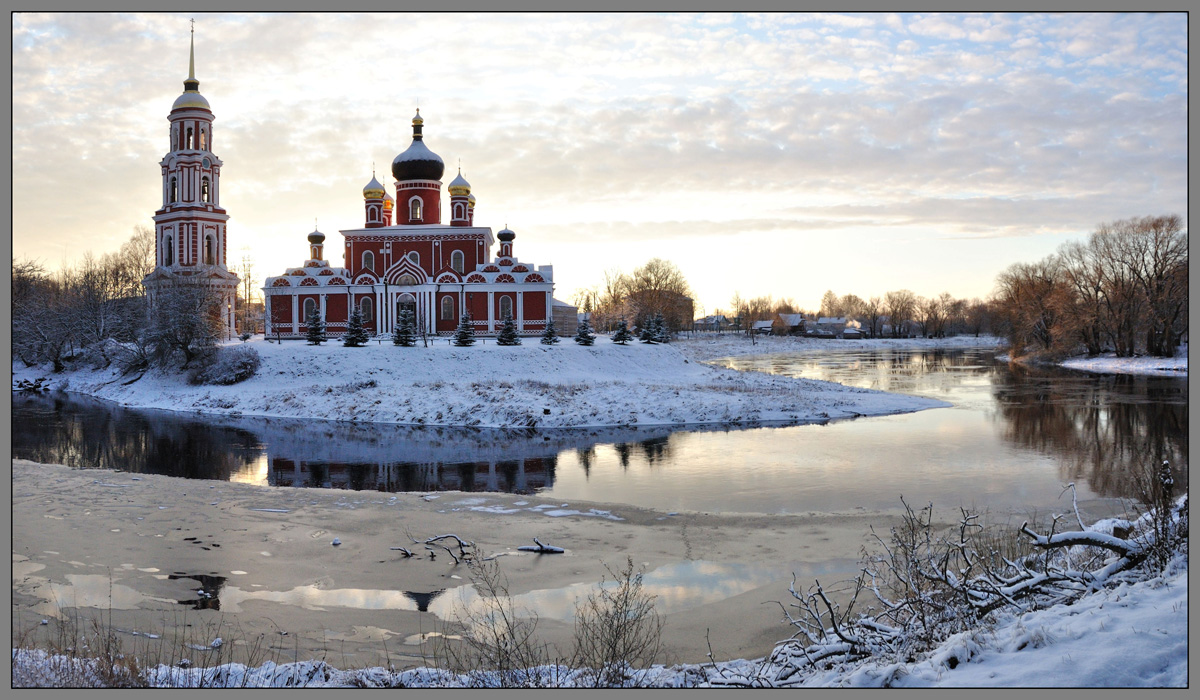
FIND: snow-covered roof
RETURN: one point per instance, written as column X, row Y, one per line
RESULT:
column 556, row 302
column 417, row 151
column 792, row 319
column 832, row 320
column 763, row 324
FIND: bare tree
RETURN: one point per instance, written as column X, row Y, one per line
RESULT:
column 901, row 305
column 185, row 323
column 659, row 287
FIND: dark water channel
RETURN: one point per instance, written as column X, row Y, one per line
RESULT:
column 1011, row 440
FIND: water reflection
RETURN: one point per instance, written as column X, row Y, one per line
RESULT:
column 1011, row 439
column 1102, row 430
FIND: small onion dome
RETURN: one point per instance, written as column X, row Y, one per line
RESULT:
column 459, row 185
column 506, row 235
column 388, row 201
column 373, row 190
column 417, row 162
column 316, row 237
column 471, row 201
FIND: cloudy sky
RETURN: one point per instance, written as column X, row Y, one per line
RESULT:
column 762, row 154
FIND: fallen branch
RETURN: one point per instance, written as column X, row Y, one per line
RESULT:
column 541, row 548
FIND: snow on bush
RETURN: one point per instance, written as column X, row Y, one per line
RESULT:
column 227, row 365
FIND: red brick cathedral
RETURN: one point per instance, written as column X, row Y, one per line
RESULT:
column 405, row 258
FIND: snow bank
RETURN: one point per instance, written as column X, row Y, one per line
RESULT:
column 1111, row 364
column 1131, row 635
column 530, row 385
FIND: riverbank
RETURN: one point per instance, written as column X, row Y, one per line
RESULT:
column 710, row 346
column 531, row 385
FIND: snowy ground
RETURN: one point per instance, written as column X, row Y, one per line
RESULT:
column 486, row 385
column 1131, row 635
column 1152, row 366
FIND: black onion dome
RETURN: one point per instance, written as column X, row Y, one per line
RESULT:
column 506, row 235
column 316, row 237
column 417, row 162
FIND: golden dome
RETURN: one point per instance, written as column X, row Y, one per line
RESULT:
column 373, row 190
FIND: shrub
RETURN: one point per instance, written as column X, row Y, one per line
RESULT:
column 226, row 365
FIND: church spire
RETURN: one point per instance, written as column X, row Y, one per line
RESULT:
column 191, row 84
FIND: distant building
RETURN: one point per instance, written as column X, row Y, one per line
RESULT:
column 789, row 324
column 715, row 323
column 763, row 327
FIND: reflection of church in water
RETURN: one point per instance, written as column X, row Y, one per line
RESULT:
column 405, row 259
column 524, row 475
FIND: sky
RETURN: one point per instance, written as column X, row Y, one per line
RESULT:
column 776, row 154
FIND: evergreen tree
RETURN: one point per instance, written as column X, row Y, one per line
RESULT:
column 583, row 335
column 549, row 337
column 508, row 332
column 663, row 332
column 649, row 331
column 405, row 335
column 316, row 328
column 464, row 335
column 356, row 335
column 622, row 334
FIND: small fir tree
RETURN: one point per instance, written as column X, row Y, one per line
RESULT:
column 649, row 331
column 549, row 337
column 664, row 333
column 316, row 328
column 404, row 334
column 356, row 335
column 583, row 334
column 464, row 335
column 508, row 332
column 622, row 334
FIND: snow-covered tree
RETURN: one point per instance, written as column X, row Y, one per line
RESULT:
column 662, row 331
column 651, row 330
column 549, row 337
column 404, row 334
column 356, row 335
column 583, row 335
column 185, row 321
column 316, row 328
column 508, row 332
column 464, row 335
column 622, row 334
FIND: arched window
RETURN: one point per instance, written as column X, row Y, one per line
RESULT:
column 406, row 279
column 368, row 260
column 416, row 259
column 204, row 189
column 366, row 307
column 189, row 137
column 506, row 307
column 460, row 211
column 414, row 209
column 168, row 252
column 203, row 140
column 309, row 307
column 174, row 189
column 447, row 308
column 210, row 251
column 456, row 261
column 372, row 214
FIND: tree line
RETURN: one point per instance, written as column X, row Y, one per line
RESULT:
column 98, row 310
column 1123, row 290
